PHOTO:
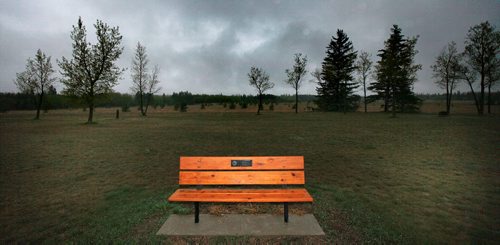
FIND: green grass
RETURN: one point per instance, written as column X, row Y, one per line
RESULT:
column 413, row 179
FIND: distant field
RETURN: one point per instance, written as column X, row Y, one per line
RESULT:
column 418, row 178
column 429, row 106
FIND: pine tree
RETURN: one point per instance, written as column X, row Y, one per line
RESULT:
column 396, row 74
column 336, row 88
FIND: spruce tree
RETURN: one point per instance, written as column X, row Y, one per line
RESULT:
column 336, row 88
column 396, row 73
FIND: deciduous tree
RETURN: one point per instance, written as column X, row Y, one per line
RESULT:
column 295, row 75
column 364, row 66
column 140, row 75
column 152, row 86
column 36, row 79
column 91, row 71
column 482, row 46
column 260, row 80
column 446, row 71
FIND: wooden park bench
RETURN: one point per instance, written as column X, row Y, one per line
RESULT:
column 275, row 173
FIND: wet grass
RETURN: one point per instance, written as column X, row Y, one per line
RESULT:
column 413, row 179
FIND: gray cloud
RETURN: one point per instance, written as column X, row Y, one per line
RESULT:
column 209, row 46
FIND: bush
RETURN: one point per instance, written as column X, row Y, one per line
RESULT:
column 202, row 106
column 176, row 107
column 125, row 108
column 183, row 107
column 243, row 105
column 271, row 107
column 232, row 106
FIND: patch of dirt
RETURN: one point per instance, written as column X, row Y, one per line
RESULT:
column 254, row 208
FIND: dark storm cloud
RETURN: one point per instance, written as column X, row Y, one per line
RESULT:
column 209, row 46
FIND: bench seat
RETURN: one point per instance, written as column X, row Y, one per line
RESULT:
column 241, row 195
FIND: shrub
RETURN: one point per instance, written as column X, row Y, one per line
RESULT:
column 183, row 107
column 232, row 106
column 125, row 108
column 202, row 106
column 271, row 107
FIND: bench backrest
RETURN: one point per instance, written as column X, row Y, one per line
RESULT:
column 241, row 170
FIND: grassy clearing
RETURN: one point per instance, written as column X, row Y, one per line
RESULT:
column 413, row 179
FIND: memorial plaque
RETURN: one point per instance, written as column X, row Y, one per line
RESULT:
column 241, row 163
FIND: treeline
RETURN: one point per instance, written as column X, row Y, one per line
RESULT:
column 460, row 96
column 22, row 101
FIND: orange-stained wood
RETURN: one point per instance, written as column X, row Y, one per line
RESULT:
column 258, row 163
column 241, row 178
column 242, row 195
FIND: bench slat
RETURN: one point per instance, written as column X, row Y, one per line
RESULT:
column 258, row 163
column 241, row 178
column 250, row 195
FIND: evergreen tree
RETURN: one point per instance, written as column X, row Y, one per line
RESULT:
column 335, row 91
column 396, row 74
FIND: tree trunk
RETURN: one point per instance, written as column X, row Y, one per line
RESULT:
column 296, row 100
column 91, row 111
column 481, row 95
column 447, row 98
column 147, row 105
column 141, row 103
column 393, row 102
column 489, row 97
column 475, row 97
column 386, row 100
column 260, row 104
column 39, row 106
column 364, row 95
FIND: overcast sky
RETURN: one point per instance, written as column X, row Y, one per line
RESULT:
column 209, row 46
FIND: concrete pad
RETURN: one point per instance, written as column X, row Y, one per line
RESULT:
column 241, row 225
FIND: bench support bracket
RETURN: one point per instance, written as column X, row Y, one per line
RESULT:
column 196, row 212
column 285, row 212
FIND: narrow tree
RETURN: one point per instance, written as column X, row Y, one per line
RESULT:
column 36, row 79
column 396, row 73
column 446, row 71
column 294, row 76
column 364, row 66
column 140, row 74
column 336, row 90
column 482, row 46
column 152, row 86
column 92, row 70
column 492, row 77
column 260, row 80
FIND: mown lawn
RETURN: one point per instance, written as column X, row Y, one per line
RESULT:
column 418, row 178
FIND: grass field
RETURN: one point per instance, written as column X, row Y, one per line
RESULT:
column 418, row 178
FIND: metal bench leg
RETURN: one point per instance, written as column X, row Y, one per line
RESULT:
column 196, row 212
column 286, row 212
